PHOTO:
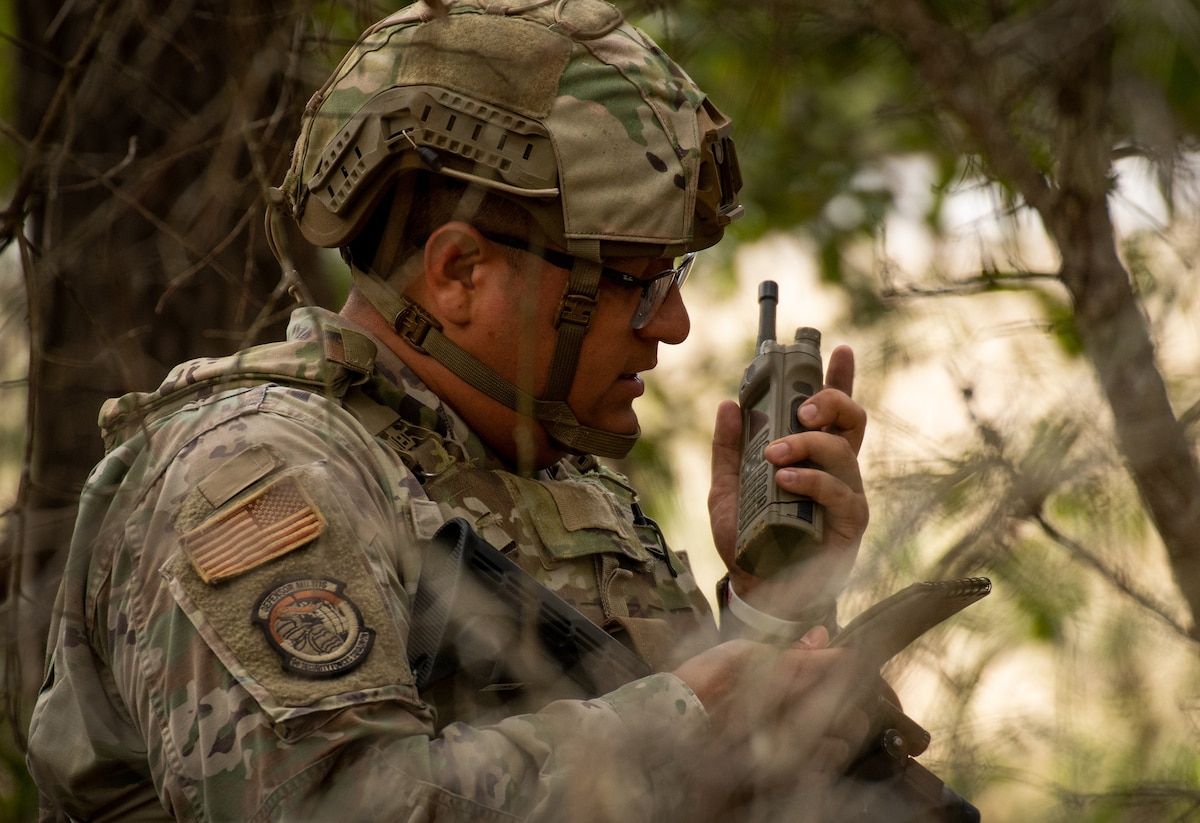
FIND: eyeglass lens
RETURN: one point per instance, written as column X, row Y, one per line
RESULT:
column 656, row 291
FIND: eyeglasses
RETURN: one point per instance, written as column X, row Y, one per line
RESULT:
column 654, row 289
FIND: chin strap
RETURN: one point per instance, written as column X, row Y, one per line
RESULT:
column 423, row 332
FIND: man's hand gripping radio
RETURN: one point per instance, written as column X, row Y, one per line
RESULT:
column 775, row 528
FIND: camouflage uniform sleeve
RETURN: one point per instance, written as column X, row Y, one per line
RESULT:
column 271, row 682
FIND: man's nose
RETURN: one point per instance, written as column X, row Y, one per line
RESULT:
column 670, row 323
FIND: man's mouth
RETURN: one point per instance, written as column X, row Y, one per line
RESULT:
column 633, row 382
column 637, row 375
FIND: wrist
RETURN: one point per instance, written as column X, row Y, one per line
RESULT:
column 771, row 625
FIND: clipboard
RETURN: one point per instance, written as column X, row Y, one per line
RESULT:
column 893, row 623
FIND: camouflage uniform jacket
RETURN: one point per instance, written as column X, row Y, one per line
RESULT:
column 230, row 634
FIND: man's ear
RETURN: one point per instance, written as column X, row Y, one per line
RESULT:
column 451, row 258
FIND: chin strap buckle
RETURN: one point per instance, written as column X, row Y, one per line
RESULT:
column 575, row 308
column 414, row 324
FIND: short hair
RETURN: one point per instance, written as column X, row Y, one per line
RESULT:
column 431, row 201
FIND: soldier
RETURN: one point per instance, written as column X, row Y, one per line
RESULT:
column 520, row 192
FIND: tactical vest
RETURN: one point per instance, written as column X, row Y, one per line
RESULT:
column 578, row 529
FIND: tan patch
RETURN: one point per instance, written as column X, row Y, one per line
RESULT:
column 237, row 474
column 511, row 62
column 268, row 524
column 588, row 506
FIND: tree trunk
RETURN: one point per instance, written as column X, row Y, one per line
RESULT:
column 153, row 128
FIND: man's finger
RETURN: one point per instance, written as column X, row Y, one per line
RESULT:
column 726, row 443
column 840, row 373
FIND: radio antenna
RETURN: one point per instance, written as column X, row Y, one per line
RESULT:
column 768, row 299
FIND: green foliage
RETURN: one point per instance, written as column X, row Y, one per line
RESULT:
column 1141, row 266
column 1159, row 54
column 813, row 107
column 1060, row 321
column 1047, row 592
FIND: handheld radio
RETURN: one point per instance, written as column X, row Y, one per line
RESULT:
column 775, row 528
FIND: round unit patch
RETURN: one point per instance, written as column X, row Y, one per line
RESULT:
column 314, row 627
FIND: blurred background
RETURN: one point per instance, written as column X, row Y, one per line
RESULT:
column 996, row 203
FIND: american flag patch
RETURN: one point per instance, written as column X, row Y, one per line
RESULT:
column 269, row 523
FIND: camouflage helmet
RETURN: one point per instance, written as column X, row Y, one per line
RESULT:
column 558, row 104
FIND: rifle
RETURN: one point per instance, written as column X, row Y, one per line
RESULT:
column 479, row 615
column 479, row 622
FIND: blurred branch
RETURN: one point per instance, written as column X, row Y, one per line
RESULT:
column 988, row 281
column 105, row 176
column 1113, row 576
column 1028, row 482
column 13, row 216
column 207, row 260
column 1190, row 415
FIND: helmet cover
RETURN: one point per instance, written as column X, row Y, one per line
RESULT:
column 559, row 105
